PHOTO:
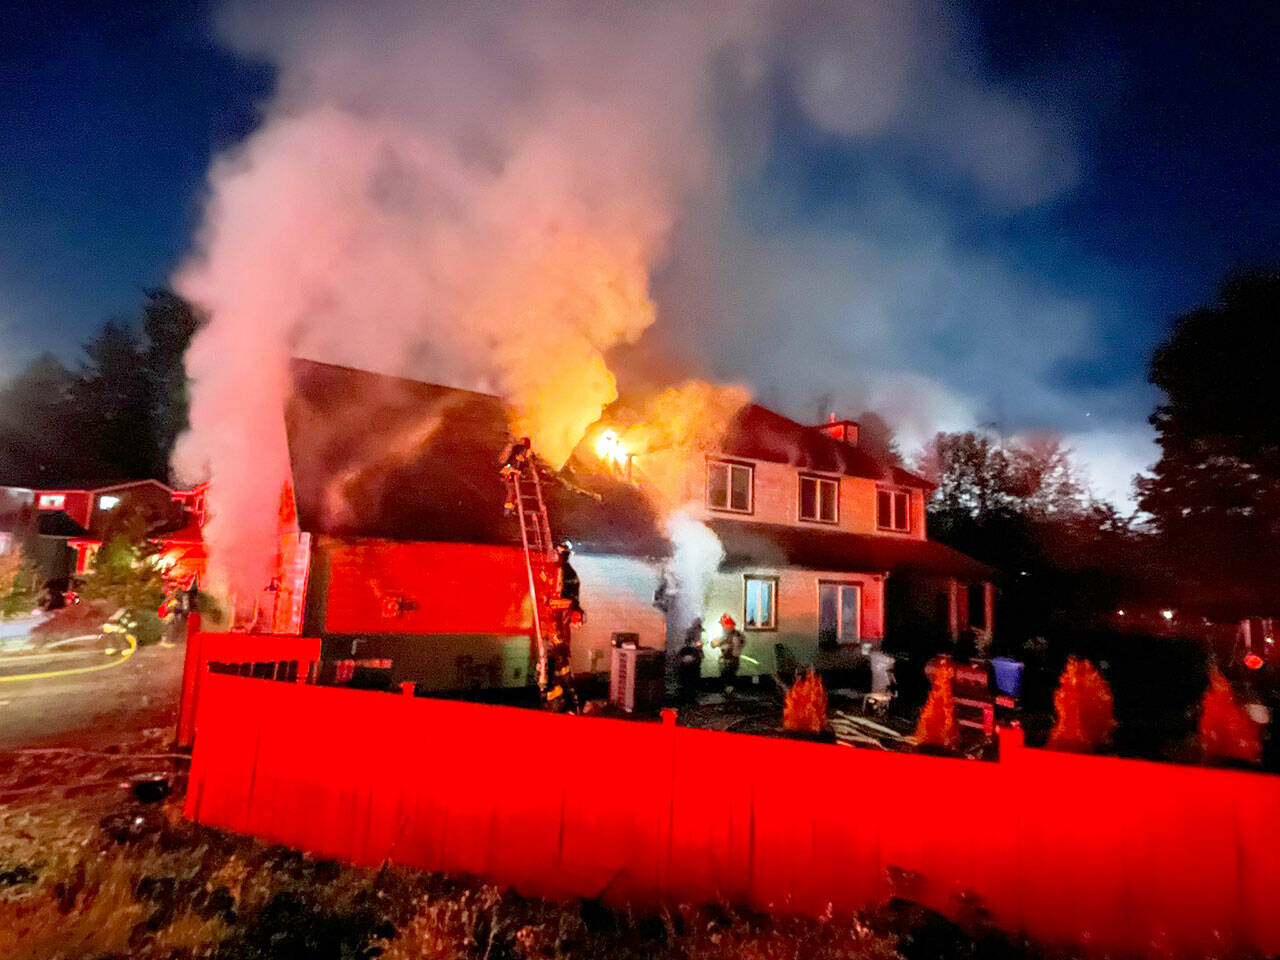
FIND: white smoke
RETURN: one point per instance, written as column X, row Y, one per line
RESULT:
column 697, row 553
column 483, row 193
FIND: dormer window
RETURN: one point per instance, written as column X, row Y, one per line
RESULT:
column 729, row 486
column 819, row 499
column 893, row 510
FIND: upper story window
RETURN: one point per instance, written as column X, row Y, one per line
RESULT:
column 820, row 499
column 893, row 510
column 729, row 486
column 52, row 501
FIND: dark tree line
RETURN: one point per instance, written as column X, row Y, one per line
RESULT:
column 113, row 415
column 1214, row 495
column 1064, row 558
column 1207, row 538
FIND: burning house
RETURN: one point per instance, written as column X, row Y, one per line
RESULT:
column 395, row 545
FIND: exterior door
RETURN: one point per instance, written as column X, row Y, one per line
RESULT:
column 839, row 612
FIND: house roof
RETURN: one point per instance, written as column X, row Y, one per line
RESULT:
column 102, row 486
column 771, row 544
column 758, row 433
column 398, row 459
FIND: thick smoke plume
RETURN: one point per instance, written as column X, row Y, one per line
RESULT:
column 475, row 194
column 506, row 195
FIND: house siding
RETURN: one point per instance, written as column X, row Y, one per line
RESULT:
column 797, row 616
column 617, row 595
column 776, row 499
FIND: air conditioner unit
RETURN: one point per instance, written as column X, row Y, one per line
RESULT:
column 636, row 679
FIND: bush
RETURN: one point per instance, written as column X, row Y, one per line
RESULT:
column 1227, row 732
column 19, row 584
column 1084, row 707
column 937, row 727
column 806, row 705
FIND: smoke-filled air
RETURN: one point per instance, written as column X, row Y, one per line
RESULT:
column 536, row 199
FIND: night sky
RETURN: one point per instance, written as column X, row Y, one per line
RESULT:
column 113, row 111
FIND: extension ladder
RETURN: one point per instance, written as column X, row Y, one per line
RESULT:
column 524, row 498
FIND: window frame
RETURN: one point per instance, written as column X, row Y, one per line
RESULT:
column 730, row 465
column 772, row 580
column 859, row 586
column 818, row 480
column 894, row 493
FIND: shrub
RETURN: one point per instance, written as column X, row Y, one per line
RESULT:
column 806, row 705
column 1084, row 708
column 19, row 584
column 1227, row 732
column 937, row 724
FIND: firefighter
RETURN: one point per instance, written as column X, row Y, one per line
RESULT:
column 730, row 645
column 570, row 587
column 515, row 457
column 689, row 662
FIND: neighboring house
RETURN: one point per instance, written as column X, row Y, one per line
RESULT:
column 65, row 527
column 399, row 549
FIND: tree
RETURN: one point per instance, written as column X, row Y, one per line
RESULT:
column 1019, row 505
column 20, row 581
column 805, row 708
column 936, row 728
column 1085, row 709
column 38, row 431
column 1214, row 495
column 112, row 399
column 127, row 576
column 115, row 417
column 168, row 324
column 875, row 436
column 1227, row 732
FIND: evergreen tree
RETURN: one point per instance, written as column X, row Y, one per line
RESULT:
column 1215, row 492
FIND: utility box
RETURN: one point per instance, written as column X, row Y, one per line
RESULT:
column 636, row 679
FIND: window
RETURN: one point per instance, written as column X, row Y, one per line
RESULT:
column 729, row 486
column 893, row 510
column 760, row 603
column 819, row 499
column 839, row 613
column 52, row 501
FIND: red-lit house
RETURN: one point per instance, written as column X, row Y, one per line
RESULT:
column 401, row 549
column 66, row 526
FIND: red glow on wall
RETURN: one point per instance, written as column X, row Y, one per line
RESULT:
column 379, row 586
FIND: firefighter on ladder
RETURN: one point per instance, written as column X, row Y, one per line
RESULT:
column 553, row 582
column 568, row 613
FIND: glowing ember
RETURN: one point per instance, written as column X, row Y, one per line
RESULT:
column 609, row 447
column 1253, row 661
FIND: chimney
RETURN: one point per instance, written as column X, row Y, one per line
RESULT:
column 846, row 431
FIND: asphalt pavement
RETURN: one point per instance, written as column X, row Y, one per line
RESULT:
column 86, row 693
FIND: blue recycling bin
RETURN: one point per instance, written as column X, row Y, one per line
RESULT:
column 1008, row 676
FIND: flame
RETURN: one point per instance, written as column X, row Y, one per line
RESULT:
column 609, row 446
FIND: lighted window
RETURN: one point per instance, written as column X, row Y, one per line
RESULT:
column 52, row 501
column 761, row 603
column 819, row 499
column 893, row 510
column 729, row 486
